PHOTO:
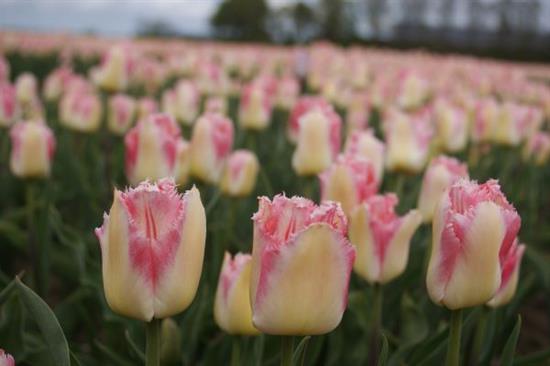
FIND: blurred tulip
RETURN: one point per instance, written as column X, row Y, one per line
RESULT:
column 9, row 110
column 350, row 180
column 55, row 83
column 413, row 90
column 381, row 238
column 152, row 247
column 113, row 73
column 183, row 162
column 6, row 359
column 365, row 144
column 152, row 149
column 4, row 69
column 187, row 102
column 216, row 104
column 318, row 141
column 510, row 126
column 451, row 125
column 211, row 144
column 300, row 252
column 146, row 107
column 304, row 105
column 510, row 260
column 486, row 115
column 255, row 108
column 26, row 88
column 407, row 142
column 232, row 310
column 442, row 172
column 537, row 148
column 240, row 173
column 122, row 111
column 33, row 147
column 358, row 113
column 81, row 111
column 472, row 224
column 288, row 92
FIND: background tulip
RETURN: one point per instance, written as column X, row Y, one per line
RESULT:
column 365, row 144
column 255, row 108
column 232, row 310
column 122, row 111
column 33, row 147
column 240, row 173
column 211, row 144
column 26, row 88
column 152, row 247
column 152, row 148
column 81, row 111
column 303, row 106
column 381, row 238
column 510, row 260
column 537, row 148
column 442, row 172
column 8, row 104
column 186, row 102
column 300, row 252
column 471, row 224
column 451, row 126
column 6, row 359
column 183, row 162
column 112, row 74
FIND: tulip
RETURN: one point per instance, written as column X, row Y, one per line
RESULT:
column 255, row 108
column 300, row 252
column 113, row 73
column 8, row 104
column 350, row 180
column 232, row 310
column 6, row 359
column 471, row 224
column 365, row 144
column 537, row 148
column 288, row 91
column 413, row 90
column 381, row 238
column 357, row 117
column 26, row 88
column 55, row 83
column 318, row 141
column 152, row 148
column 4, row 69
column 122, row 110
column 183, row 162
column 216, row 104
column 303, row 106
column 33, row 147
column 211, row 144
column 152, row 248
column 81, row 111
column 451, row 125
column 146, row 107
column 240, row 173
column 187, row 102
column 510, row 127
column 486, row 115
column 407, row 141
column 510, row 260
column 442, row 172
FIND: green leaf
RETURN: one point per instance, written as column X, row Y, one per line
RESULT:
column 300, row 351
column 507, row 358
column 5, row 293
column 383, row 357
column 46, row 321
column 259, row 344
column 533, row 359
column 134, row 346
column 74, row 360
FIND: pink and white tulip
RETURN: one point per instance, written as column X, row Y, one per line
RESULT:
column 537, row 148
column 146, row 107
column 152, row 247
column 121, row 114
column 81, row 111
column 33, row 148
column 9, row 110
column 255, row 107
column 510, row 260
column 441, row 173
column 152, row 149
column 473, row 223
column 486, row 114
column 300, row 252
column 232, row 309
column 381, row 238
column 113, row 73
column 187, row 102
column 6, row 359
column 303, row 106
column 240, row 173
column 26, row 87
column 365, row 144
column 288, row 91
column 211, row 144
column 451, row 126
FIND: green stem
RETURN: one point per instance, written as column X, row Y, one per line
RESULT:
column 235, row 352
column 287, row 349
column 152, row 357
column 36, row 252
column 453, row 347
column 374, row 348
column 479, row 338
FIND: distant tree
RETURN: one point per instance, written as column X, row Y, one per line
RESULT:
column 338, row 23
column 375, row 9
column 156, row 29
column 241, row 19
column 304, row 20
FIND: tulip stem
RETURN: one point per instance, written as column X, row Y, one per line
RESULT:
column 153, row 343
column 287, row 349
column 235, row 352
column 453, row 347
column 376, row 330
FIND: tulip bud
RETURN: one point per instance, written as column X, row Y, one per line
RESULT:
column 510, row 125
column 54, row 85
column 255, row 108
column 303, row 106
column 211, row 144
column 452, row 126
column 187, row 102
column 365, row 144
column 216, row 104
column 407, row 142
column 112, row 74
column 183, row 162
column 146, row 107
column 4, row 69
column 537, row 148
column 472, row 223
column 152, row 248
column 288, row 91
column 357, row 117
column 26, row 88
column 8, row 104
column 33, row 146
column 240, row 173
column 170, row 348
column 232, row 310
column 485, row 119
column 300, row 252
column 6, row 359
column 122, row 110
column 350, row 180
column 152, row 148
column 413, row 90
column 442, row 172
column 510, row 260
column 381, row 238
column 81, row 111
column 318, row 141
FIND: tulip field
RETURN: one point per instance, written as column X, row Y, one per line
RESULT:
column 171, row 202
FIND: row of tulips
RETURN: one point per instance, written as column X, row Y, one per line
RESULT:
column 296, row 279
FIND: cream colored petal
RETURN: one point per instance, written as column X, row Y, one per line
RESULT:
column 313, row 152
column 366, row 264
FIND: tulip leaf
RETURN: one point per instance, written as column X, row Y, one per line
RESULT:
column 259, row 349
column 383, row 357
column 47, row 323
column 5, row 293
column 134, row 346
column 507, row 358
column 74, row 360
column 299, row 355
column 533, row 359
